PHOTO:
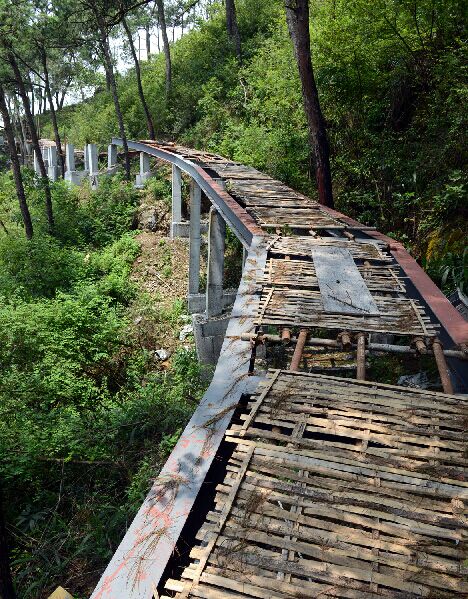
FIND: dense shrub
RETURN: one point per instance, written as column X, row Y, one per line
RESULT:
column 86, row 416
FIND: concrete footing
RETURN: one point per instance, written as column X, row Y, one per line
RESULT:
column 197, row 301
column 209, row 336
column 182, row 229
column 75, row 177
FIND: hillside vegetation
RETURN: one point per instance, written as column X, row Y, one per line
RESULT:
column 88, row 412
column 392, row 82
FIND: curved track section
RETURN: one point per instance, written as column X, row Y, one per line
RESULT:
column 333, row 487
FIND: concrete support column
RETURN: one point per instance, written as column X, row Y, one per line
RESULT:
column 45, row 157
column 194, row 263
column 70, row 157
column 145, row 171
column 214, row 284
column 93, row 165
column 52, row 170
column 176, row 199
column 71, row 174
column 144, row 163
column 112, row 159
column 37, row 170
column 86, row 158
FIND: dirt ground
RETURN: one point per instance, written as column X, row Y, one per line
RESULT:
column 161, row 272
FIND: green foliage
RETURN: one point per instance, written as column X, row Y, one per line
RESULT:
column 392, row 87
column 160, row 189
column 38, row 268
column 454, row 271
column 86, row 417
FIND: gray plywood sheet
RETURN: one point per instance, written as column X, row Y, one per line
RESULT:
column 342, row 288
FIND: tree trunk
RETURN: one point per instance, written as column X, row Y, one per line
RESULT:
column 53, row 114
column 148, row 42
column 149, row 120
column 39, row 98
column 31, row 85
column 297, row 17
column 35, row 141
column 16, row 167
column 232, row 28
column 17, row 125
column 7, row 590
column 115, row 96
column 166, row 48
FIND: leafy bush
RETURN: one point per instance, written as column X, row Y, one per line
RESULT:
column 37, row 268
column 109, row 211
column 86, row 417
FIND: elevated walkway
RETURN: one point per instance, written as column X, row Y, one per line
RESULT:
column 308, row 485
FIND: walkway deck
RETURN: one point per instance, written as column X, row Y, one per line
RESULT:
column 335, row 487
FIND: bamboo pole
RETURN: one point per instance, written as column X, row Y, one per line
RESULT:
column 442, row 366
column 301, row 341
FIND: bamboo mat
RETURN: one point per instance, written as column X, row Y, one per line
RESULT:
column 338, row 489
column 303, row 308
column 301, row 273
column 303, row 246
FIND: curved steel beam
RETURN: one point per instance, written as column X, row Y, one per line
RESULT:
column 238, row 219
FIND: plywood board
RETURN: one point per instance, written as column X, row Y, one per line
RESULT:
column 341, row 285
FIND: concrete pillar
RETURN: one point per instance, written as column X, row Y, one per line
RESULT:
column 27, row 150
column 145, row 171
column 70, row 157
column 93, row 165
column 71, row 174
column 144, row 163
column 194, row 262
column 176, row 199
column 37, row 170
column 214, row 284
column 52, row 170
column 45, row 157
column 112, row 159
column 86, row 158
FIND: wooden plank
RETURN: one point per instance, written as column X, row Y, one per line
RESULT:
column 342, row 287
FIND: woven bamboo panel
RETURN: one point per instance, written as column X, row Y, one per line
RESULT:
column 297, row 218
column 303, row 308
column 338, row 489
column 272, row 200
column 301, row 273
column 303, row 246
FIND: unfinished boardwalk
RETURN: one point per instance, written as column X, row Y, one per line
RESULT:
column 338, row 489
column 333, row 486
